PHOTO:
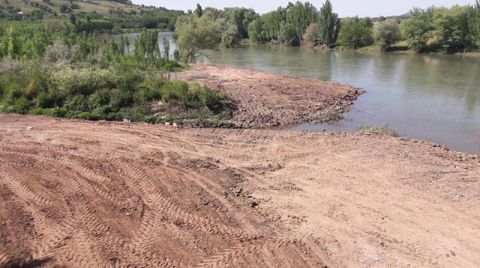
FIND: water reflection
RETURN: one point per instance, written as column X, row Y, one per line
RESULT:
column 432, row 97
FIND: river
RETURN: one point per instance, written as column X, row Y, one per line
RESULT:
column 431, row 97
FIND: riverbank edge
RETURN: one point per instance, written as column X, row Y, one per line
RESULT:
column 270, row 100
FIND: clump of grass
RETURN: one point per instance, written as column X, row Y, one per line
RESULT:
column 385, row 130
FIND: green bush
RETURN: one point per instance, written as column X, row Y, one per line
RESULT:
column 100, row 98
column 84, row 78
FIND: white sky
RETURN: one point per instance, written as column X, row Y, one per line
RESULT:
column 344, row 8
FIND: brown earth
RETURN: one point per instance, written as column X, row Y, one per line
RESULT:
column 267, row 99
column 96, row 194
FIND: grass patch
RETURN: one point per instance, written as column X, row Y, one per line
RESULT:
column 384, row 131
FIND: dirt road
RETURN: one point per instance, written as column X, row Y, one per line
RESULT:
column 92, row 194
column 267, row 99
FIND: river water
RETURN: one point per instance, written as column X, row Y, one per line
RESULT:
column 431, row 97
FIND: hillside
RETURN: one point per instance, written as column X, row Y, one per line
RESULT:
column 120, row 12
column 59, row 7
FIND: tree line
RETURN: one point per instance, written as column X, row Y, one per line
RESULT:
column 434, row 29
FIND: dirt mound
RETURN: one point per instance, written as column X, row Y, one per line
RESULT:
column 92, row 194
column 266, row 99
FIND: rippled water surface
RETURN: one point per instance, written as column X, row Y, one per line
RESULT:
column 433, row 97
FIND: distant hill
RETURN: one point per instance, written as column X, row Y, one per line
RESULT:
column 15, row 9
column 122, row 13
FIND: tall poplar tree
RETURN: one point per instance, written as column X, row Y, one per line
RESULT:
column 328, row 25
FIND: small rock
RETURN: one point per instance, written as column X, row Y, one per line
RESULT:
column 174, row 124
column 254, row 204
column 126, row 120
column 30, row 128
column 238, row 192
column 167, row 123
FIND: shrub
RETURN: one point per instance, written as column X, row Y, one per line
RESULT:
column 69, row 81
column 59, row 52
column 120, row 98
column 355, row 33
column 77, row 103
column 100, row 98
column 387, row 33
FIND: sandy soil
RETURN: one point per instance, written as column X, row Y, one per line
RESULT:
column 92, row 194
column 267, row 99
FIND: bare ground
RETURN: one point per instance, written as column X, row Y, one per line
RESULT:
column 92, row 194
column 267, row 99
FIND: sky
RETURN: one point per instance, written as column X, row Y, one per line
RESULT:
column 345, row 8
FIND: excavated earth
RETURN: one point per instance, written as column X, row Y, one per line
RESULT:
column 97, row 194
column 105, row 194
column 266, row 99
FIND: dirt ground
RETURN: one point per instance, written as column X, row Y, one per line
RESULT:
column 97, row 194
column 267, row 99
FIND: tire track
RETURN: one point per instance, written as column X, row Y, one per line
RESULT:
column 3, row 258
column 168, row 207
column 23, row 191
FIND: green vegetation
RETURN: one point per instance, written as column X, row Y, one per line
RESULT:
column 387, row 131
column 432, row 30
column 83, row 76
column 329, row 25
column 449, row 30
column 89, row 16
column 196, row 33
column 355, row 33
column 387, row 33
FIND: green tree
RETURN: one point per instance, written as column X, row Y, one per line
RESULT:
column 271, row 24
column 328, row 25
column 256, row 33
column 195, row 34
column 300, row 15
column 288, row 35
column 241, row 18
column 147, row 50
column 474, row 23
column 166, row 48
column 419, row 28
column 355, row 33
column 198, row 11
column 451, row 29
column 386, row 33
column 229, row 33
